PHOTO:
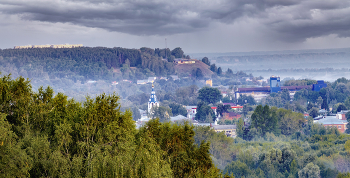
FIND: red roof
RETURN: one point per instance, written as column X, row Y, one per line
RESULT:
column 233, row 107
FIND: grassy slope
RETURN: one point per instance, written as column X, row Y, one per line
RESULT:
column 187, row 68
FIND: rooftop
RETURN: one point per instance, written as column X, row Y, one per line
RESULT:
column 223, row 127
column 329, row 120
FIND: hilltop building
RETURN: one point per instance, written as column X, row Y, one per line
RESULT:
column 49, row 46
column 152, row 100
column 184, row 61
column 275, row 86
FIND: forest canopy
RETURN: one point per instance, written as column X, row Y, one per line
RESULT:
column 44, row 134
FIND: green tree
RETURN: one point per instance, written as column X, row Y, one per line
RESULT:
column 319, row 101
column 204, row 112
column 177, row 52
column 161, row 112
column 186, row 158
column 289, row 122
column 220, row 109
column 309, row 171
column 285, row 95
column 347, row 102
column 219, row 72
column 313, row 112
column 309, row 106
column 213, row 68
column 135, row 113
column 265, row 120
column 238, row 169
column 197, row 73
column 209, row 95
column 324, row 105
column 14, row 162
column 229, row 72
column 343, row 175
column 178, row 109
column 206, row 61
column 244, row 99
column 240, row 128
column 341, row 107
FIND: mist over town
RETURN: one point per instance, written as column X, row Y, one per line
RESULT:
column 115, row 88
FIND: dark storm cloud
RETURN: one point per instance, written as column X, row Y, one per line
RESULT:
column 288, row 19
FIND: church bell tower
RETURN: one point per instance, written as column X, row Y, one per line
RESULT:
column 152, row 100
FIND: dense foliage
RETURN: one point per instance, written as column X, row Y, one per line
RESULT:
column 48, row 135
column 88, row 63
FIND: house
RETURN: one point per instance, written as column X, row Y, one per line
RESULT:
column 175, row 77
column 142, row 82
column 151, row 79
column 229, row 130
column 180, row 118
column 322, row 111
column 332, row 121
column 191, row 111
column 163, row 78
column 341, row 115
column 209, row 83
column 184, row 61
column 231, row 116
column 306, row 115
column 224, row 93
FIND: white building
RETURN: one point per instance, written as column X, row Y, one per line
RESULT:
column 152, row 100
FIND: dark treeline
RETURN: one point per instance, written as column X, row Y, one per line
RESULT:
column 47, row 135
column 91, row 63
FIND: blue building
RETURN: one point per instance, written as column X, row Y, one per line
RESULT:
column 275, row 84
column 320, row 84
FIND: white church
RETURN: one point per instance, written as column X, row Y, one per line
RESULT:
column 152, row 100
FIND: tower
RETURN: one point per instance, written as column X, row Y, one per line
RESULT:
column 152, row 100
column 275, row 84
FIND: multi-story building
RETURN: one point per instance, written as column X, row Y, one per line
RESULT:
column 275, row 86
column 341, row 115
column 229, row 130
column 49, row 46
column 332, row 121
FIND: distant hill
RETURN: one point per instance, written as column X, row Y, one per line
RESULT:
column 84, row 63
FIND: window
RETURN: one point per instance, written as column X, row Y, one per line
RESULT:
column 339, row 127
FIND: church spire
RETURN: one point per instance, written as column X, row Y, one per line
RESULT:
column 152, row 100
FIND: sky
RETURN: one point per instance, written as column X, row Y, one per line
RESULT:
column 197, row 26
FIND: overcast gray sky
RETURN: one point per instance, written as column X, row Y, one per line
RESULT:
column 194, row 25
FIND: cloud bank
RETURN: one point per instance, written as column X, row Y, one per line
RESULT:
column 288, row 20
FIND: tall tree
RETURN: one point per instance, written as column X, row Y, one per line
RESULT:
column 206, row 61
column 265, row 120
column 213, row 68
column 209, row 95
column 204, row 112
column 219, row 71
column 177, row 52
column 240, row 128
